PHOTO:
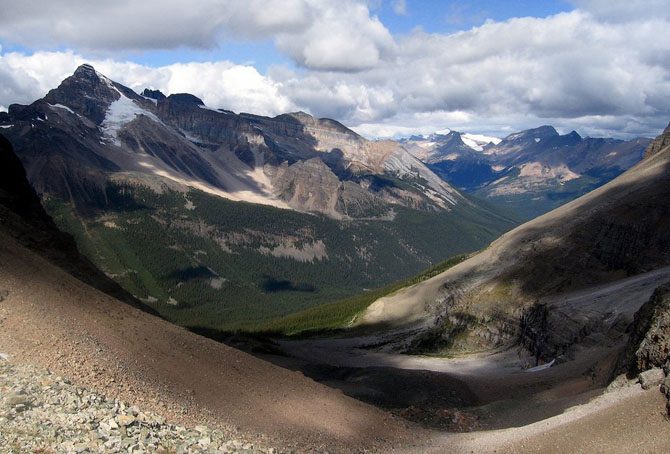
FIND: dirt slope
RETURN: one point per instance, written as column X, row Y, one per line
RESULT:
column 53, row 320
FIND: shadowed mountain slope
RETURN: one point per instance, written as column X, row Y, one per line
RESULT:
column 23, row 218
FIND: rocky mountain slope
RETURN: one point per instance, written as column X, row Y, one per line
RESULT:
column 221, row 220
column 538, row 284
column 531, row 171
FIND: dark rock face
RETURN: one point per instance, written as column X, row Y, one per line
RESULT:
column 73, row 92
column 23, row 217
column 659, row 143
column 649, row 343
column 153, row 94
column 16, row 194
column 186, row 99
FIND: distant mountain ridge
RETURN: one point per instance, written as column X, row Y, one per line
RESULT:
column 530, row 171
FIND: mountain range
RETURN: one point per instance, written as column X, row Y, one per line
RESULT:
column 226, row 219
column 529, row 172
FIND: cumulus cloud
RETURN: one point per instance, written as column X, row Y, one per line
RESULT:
column 342, row 37
column 319, row 34
column 594, row 69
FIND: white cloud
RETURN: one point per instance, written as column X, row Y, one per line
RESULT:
column 567, row 69
column 577, row 70
column 319, row 34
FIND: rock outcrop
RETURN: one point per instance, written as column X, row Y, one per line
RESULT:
column 649, row 343
column 659, row 143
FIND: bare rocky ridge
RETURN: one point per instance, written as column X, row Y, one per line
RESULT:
column 661, row 142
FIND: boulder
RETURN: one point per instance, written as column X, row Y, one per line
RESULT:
column 652, row 377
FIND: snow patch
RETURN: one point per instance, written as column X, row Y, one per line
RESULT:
column 478, row 141
column 121, row 112
column 541, row 367
column 538, row 140
column 498, row 168
column 6, row 126
column 471, row 143
column 61, row 106
column 482, row 139
column 202, row 106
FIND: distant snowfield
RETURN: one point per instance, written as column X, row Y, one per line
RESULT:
column 478, row 141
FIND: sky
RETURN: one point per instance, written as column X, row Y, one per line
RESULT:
column 385, row 68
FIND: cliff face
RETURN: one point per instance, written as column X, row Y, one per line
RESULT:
column 649, row 343
column 659, row 143
column 23, row 217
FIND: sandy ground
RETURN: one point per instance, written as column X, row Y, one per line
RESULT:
column 52, row 320
column 625, row 421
